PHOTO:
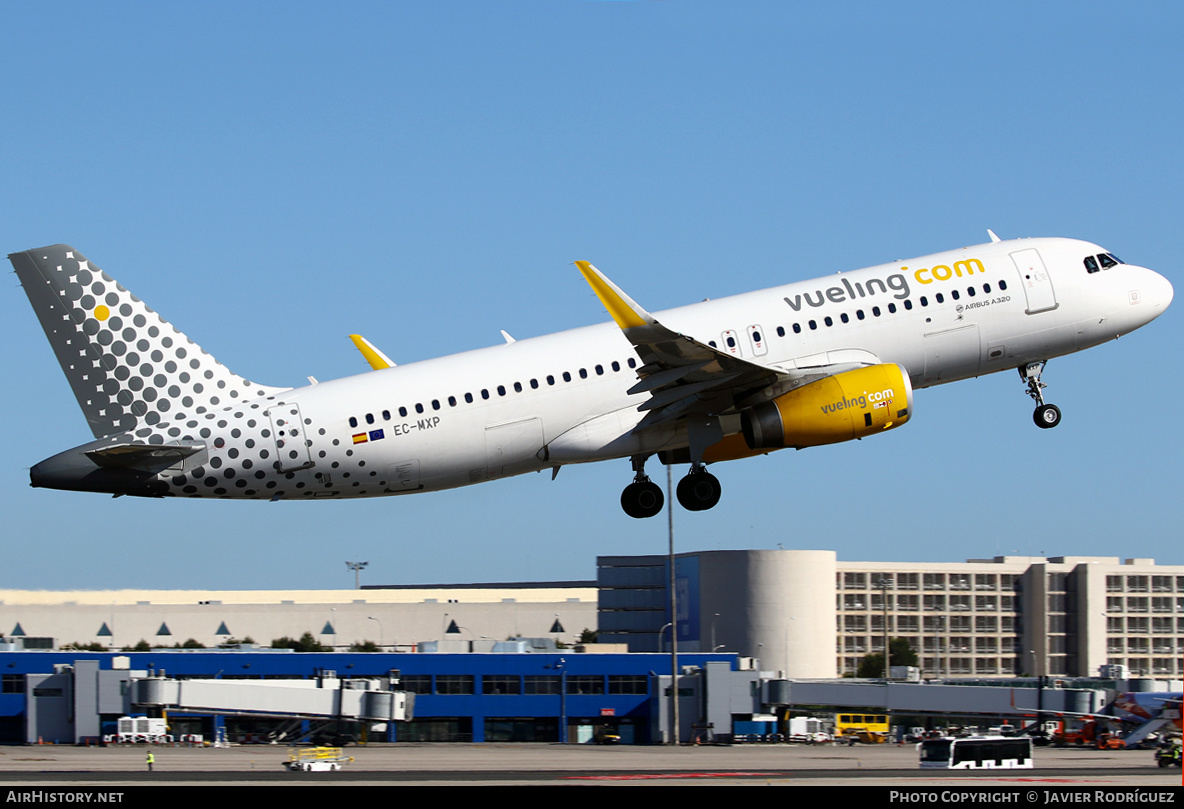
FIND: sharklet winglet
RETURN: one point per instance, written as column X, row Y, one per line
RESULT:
column 624, row 310
column 376, row 358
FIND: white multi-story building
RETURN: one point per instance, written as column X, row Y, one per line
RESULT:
column 1011, row 615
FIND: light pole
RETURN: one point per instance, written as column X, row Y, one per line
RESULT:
column 883, row 585
column 357, row 568
column 380, row 633
column 673, row 614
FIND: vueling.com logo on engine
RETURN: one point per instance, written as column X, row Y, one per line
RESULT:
column 879, row 398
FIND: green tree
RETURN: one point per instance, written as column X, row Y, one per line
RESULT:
column 307, row 643
column 364, row 646
column 903, row 654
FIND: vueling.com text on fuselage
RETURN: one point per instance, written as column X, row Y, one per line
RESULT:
column 897, row 282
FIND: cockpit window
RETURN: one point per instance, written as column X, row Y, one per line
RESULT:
column 1102, row 261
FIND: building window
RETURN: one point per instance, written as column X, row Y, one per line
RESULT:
column 541, row 684
column 452, row 684
column 501, row 684
column 416, row 683
column 632, row 684
column 585, row 684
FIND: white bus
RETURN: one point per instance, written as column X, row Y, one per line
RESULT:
column 977, row 753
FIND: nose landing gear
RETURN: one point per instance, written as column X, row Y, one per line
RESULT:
column 1046, row 416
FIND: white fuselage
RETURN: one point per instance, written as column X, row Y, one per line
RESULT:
column 563, row 398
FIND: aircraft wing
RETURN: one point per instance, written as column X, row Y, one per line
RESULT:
column 683, row 375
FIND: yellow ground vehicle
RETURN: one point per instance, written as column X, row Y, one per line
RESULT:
column 866, row 728
column 316, row 759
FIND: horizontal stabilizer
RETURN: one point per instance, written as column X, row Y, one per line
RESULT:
column 142, row 456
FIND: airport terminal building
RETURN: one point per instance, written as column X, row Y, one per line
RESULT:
column 799, row 612
column 504, row 661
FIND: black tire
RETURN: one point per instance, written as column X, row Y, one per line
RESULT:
column 1047, row 416
column 699, row 491
column 642, row 499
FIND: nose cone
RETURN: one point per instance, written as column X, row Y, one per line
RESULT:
column 1159, row 292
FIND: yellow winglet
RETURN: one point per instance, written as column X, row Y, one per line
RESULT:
column 376, row 358
column 624, row 310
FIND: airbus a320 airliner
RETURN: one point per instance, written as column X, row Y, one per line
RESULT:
column 811, row 363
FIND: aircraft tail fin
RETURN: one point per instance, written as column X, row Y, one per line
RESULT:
column 126, row 364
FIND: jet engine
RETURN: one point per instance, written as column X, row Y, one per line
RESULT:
column 838, row 408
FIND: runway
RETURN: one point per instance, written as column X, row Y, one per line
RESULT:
column 48, row 766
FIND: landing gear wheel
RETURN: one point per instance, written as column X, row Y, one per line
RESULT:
column 1047, row 416
column 642, row 499
column 698, row 491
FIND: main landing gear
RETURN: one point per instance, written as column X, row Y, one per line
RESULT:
column 642, row 498
column 1045, row 415
column 698, row 491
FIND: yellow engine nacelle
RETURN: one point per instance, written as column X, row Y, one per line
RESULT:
column 838, row 408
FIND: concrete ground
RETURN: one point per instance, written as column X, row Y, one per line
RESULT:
column 508, row 764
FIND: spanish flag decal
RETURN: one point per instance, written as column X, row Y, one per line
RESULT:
column 360, row 438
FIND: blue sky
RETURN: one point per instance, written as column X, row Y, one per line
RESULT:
column 272, row 177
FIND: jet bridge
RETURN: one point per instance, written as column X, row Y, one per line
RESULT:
column 324, row 697
column 933, row 698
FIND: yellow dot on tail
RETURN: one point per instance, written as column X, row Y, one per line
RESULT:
column 102, row 313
